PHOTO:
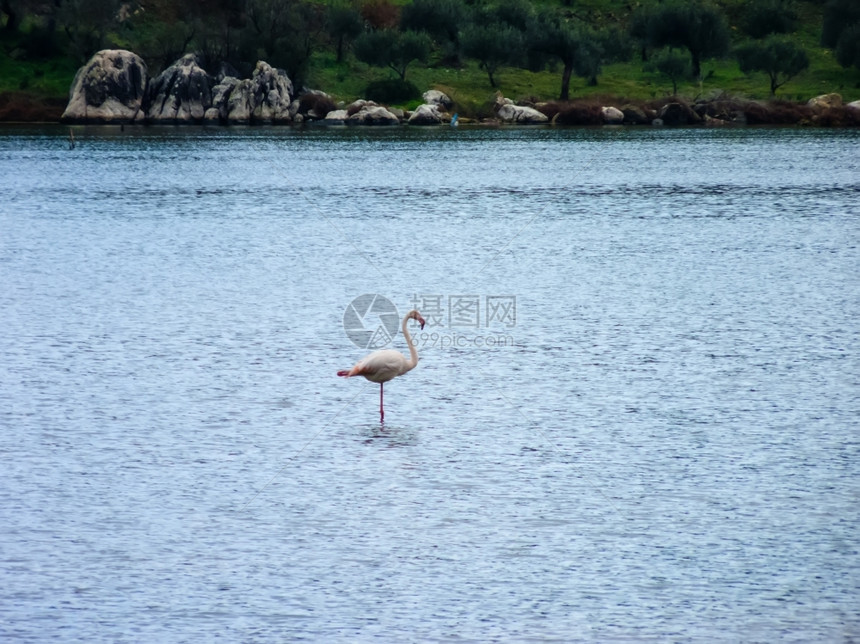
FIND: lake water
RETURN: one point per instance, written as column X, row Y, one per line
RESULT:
column 635, row 417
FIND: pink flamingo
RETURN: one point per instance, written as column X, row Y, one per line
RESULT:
column 382, row 366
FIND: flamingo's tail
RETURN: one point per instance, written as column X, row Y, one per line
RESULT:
column 344, row 372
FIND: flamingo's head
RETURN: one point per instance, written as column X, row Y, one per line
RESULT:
column 415, row 315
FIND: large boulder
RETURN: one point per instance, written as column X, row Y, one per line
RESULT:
column 372, row 115
column 520, row 114
column 426, row 115
column 508, row 112
column 181, row 93
column 612, row 116
column 825, row 101
column 110, row 88
column 635, row 115
column 272, row 93
column 440, row 99
column 335, row 117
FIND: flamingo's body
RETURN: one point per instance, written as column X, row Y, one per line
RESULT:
column 382, row 366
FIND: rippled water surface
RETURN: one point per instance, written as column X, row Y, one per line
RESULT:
column 661, row 445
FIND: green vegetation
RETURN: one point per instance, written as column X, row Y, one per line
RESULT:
column 540, row 50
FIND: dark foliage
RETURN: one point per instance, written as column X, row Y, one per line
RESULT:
column 699, row 28
column 837, row 117
column 392, row 91
column 344, row 23
column 839, row 15
column 777, row 113
column 319, row 104
column 21, row 106
column 579, row 114
column 380, row 14
column 765, row 17
column 848, row 47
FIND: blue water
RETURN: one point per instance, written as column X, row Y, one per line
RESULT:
column 661, row 445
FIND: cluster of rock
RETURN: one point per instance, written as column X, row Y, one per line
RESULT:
column 714, row 111
column 113, row 87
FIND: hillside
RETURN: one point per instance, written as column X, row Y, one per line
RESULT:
column 40, row 50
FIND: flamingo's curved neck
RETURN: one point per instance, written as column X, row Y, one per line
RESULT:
column 413, row 354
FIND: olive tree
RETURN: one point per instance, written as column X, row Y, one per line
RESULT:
column 777, row 56
column 344, row 23
column 672, row 64
column 393, row 49
column 699, row 28
column 493, row 46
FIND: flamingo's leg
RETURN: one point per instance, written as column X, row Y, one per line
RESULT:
column 381, row 409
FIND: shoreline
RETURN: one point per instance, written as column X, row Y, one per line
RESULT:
column 24, row 108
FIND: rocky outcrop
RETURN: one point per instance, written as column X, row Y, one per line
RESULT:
column 182, row 93
column 612, row 116
column 113, row 88
column 853, row 105
column 110, row 88
column 271, row 94
column 240, row 103
column 219, row 110
column 426, row 115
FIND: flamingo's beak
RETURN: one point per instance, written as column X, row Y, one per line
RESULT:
column 421, row 322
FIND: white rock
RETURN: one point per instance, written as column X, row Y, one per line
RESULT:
column 426, row 115
column 612, row 116
column 520, row 114
column 335, row 117
column 110, row 88
column 825, row 101
column 435, row 97
column 373, row 115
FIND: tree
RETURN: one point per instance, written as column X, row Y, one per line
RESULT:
column 765, row 17
column 87, row 23
column 672, row 64
column 839, row 15
column 699, row 28
column 282, row 32
column 12, row 11
column 344, row 23
column 848, row 47
column 776, row 56
column 517, row 14
column 494, row 46
column 579, row 50
column 442, row 19
column 393, row 49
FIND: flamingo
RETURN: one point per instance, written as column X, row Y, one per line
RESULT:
column 382, row 366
